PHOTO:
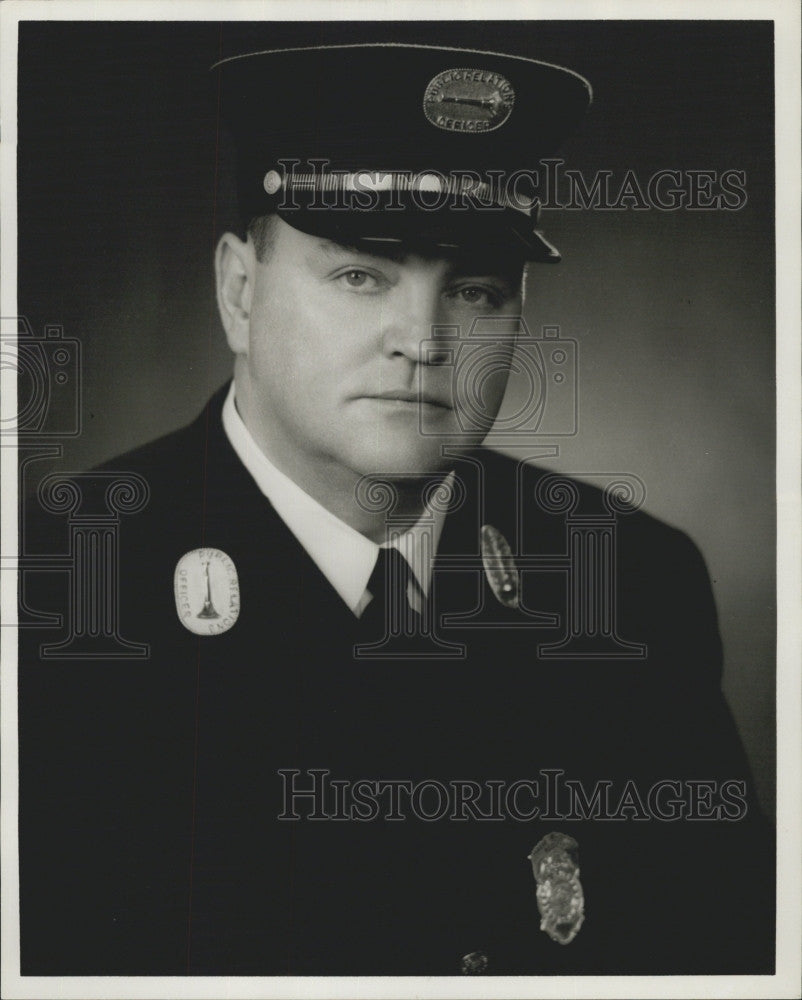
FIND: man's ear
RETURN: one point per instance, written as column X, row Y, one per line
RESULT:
column 234, row 263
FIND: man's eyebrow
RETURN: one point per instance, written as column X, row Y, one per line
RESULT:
column 382, row 251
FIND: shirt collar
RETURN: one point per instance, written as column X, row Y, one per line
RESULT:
column 344, row 556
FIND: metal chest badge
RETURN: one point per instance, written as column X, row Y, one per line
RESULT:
column 468, row 100
column 206, row 591
column 559, row 892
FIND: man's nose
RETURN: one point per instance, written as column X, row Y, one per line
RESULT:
column 410, row 317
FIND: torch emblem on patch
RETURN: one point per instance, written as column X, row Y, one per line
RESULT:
column 207, row 597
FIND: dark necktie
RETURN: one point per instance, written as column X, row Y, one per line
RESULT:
column 389, row 613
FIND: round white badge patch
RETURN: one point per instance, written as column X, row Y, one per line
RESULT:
column 206, row 591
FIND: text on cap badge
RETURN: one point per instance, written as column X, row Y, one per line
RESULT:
column 206, row 591
column 468, row 100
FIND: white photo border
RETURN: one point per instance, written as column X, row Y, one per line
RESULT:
column 785, row 983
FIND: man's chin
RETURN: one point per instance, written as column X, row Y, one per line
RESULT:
column 400, row 460
column 401, row 445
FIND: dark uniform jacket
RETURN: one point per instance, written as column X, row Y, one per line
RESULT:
column 151, row 841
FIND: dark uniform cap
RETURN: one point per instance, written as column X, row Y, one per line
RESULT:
column 392, row 142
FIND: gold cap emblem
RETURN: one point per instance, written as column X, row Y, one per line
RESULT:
column 468, row 100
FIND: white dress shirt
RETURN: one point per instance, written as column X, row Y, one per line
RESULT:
column 344, row 556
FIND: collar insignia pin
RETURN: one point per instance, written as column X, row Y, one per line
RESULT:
column 500, row 568
column 560, row 898
column 206, row 591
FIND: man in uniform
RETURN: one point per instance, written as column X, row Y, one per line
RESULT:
column 403, row 706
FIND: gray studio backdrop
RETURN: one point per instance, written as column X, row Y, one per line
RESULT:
column 125, row 186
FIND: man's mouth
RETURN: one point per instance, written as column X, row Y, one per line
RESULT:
column 409, row 397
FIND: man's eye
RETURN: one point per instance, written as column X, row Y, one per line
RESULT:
column 356, row 278
column 478, row 295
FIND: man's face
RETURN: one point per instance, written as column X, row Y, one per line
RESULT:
column 337, row 376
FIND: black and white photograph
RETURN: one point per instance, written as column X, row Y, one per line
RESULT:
column 400, row 447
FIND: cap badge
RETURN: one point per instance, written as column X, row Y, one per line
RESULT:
column 468, row 100
column 559, row 892
column 499, row 566
column 206, row 591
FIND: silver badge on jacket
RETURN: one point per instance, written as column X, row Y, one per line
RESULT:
column 560, row 899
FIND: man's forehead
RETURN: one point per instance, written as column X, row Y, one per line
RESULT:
column 389, row 250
